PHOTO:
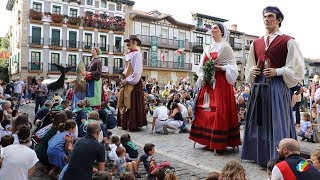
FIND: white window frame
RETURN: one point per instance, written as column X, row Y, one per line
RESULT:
column 59, row 28
column 78, row 11
column 103, row 7
column 107, row 39
column 36, row 50
column 42, row 4
column 105, row 56
column 114, row 40
column 84, row 35
column 77, row 30
column 121, row 7
column 54, row 4
column 115, row 6
column 35, row 25
column 93, row 3
column 57, row 52
column 72, row 53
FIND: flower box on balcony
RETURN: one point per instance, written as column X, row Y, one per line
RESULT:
column 118, row 32
column 89, row 28
column 35, row 16
column 103, row 30
column 36, row 45
column 57, row 19
column 73, row 22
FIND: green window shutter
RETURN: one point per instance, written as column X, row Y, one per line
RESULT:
column 55, row 37
column 72, row 39
column 36, row 35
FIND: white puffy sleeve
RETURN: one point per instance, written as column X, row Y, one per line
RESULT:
column 294, row 69
column 231, row 67
column 251, row 63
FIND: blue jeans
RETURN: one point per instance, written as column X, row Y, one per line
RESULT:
column 39, row 102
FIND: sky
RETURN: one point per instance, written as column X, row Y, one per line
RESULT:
column 301, row 18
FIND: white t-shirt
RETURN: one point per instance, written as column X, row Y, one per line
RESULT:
column 161, row 113
column 184, row 110
column 17, row 160
column 276, row 174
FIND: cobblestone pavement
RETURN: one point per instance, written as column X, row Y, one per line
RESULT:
column 190, row 163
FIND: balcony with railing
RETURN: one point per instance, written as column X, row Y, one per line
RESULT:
column 53, row 69
column 34, row 66
column 55, row 44
column 118, row 50
column 73, row 70
column 87, row 46
column 104, row 48
column 73, row 45
column 35, row 42
column 247, row 46
column 117, row 70
column 167, row 65
column 236, row 46
column 165, row 43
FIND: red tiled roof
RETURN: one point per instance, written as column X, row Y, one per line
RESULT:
column 4, row 54
column 148, row 15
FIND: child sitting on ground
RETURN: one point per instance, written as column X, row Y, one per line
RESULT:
column 306, row 128
column 149, row 161
column 122, row 166
column 131, row 148
column 115, row 143
column 59, row 146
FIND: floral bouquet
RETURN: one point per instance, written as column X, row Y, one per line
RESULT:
column 208, row 67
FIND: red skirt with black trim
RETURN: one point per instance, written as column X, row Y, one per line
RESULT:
column 216, row 124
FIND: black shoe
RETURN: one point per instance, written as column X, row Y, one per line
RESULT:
column 165, row 130
column 304, row 138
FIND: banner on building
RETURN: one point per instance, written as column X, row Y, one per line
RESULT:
column 154, row 52
column 181, row 58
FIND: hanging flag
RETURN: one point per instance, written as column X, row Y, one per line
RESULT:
column 179, row 51
column 162, row 57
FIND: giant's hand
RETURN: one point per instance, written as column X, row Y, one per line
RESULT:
column 270, row 72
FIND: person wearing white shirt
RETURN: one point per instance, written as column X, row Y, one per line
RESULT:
column 18, row 159
column 160, row 119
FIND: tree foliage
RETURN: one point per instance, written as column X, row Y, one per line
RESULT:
column 4, row 46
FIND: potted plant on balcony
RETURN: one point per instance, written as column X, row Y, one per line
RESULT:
column 89, row 22
column 56, row 19
column 73, row 22
column 119, row 26
column 35, row 16
column 105, row 25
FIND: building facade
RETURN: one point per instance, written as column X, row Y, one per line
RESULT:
column 45, row 32
column 161, row 37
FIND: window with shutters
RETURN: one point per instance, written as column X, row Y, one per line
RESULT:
column 37, row 6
